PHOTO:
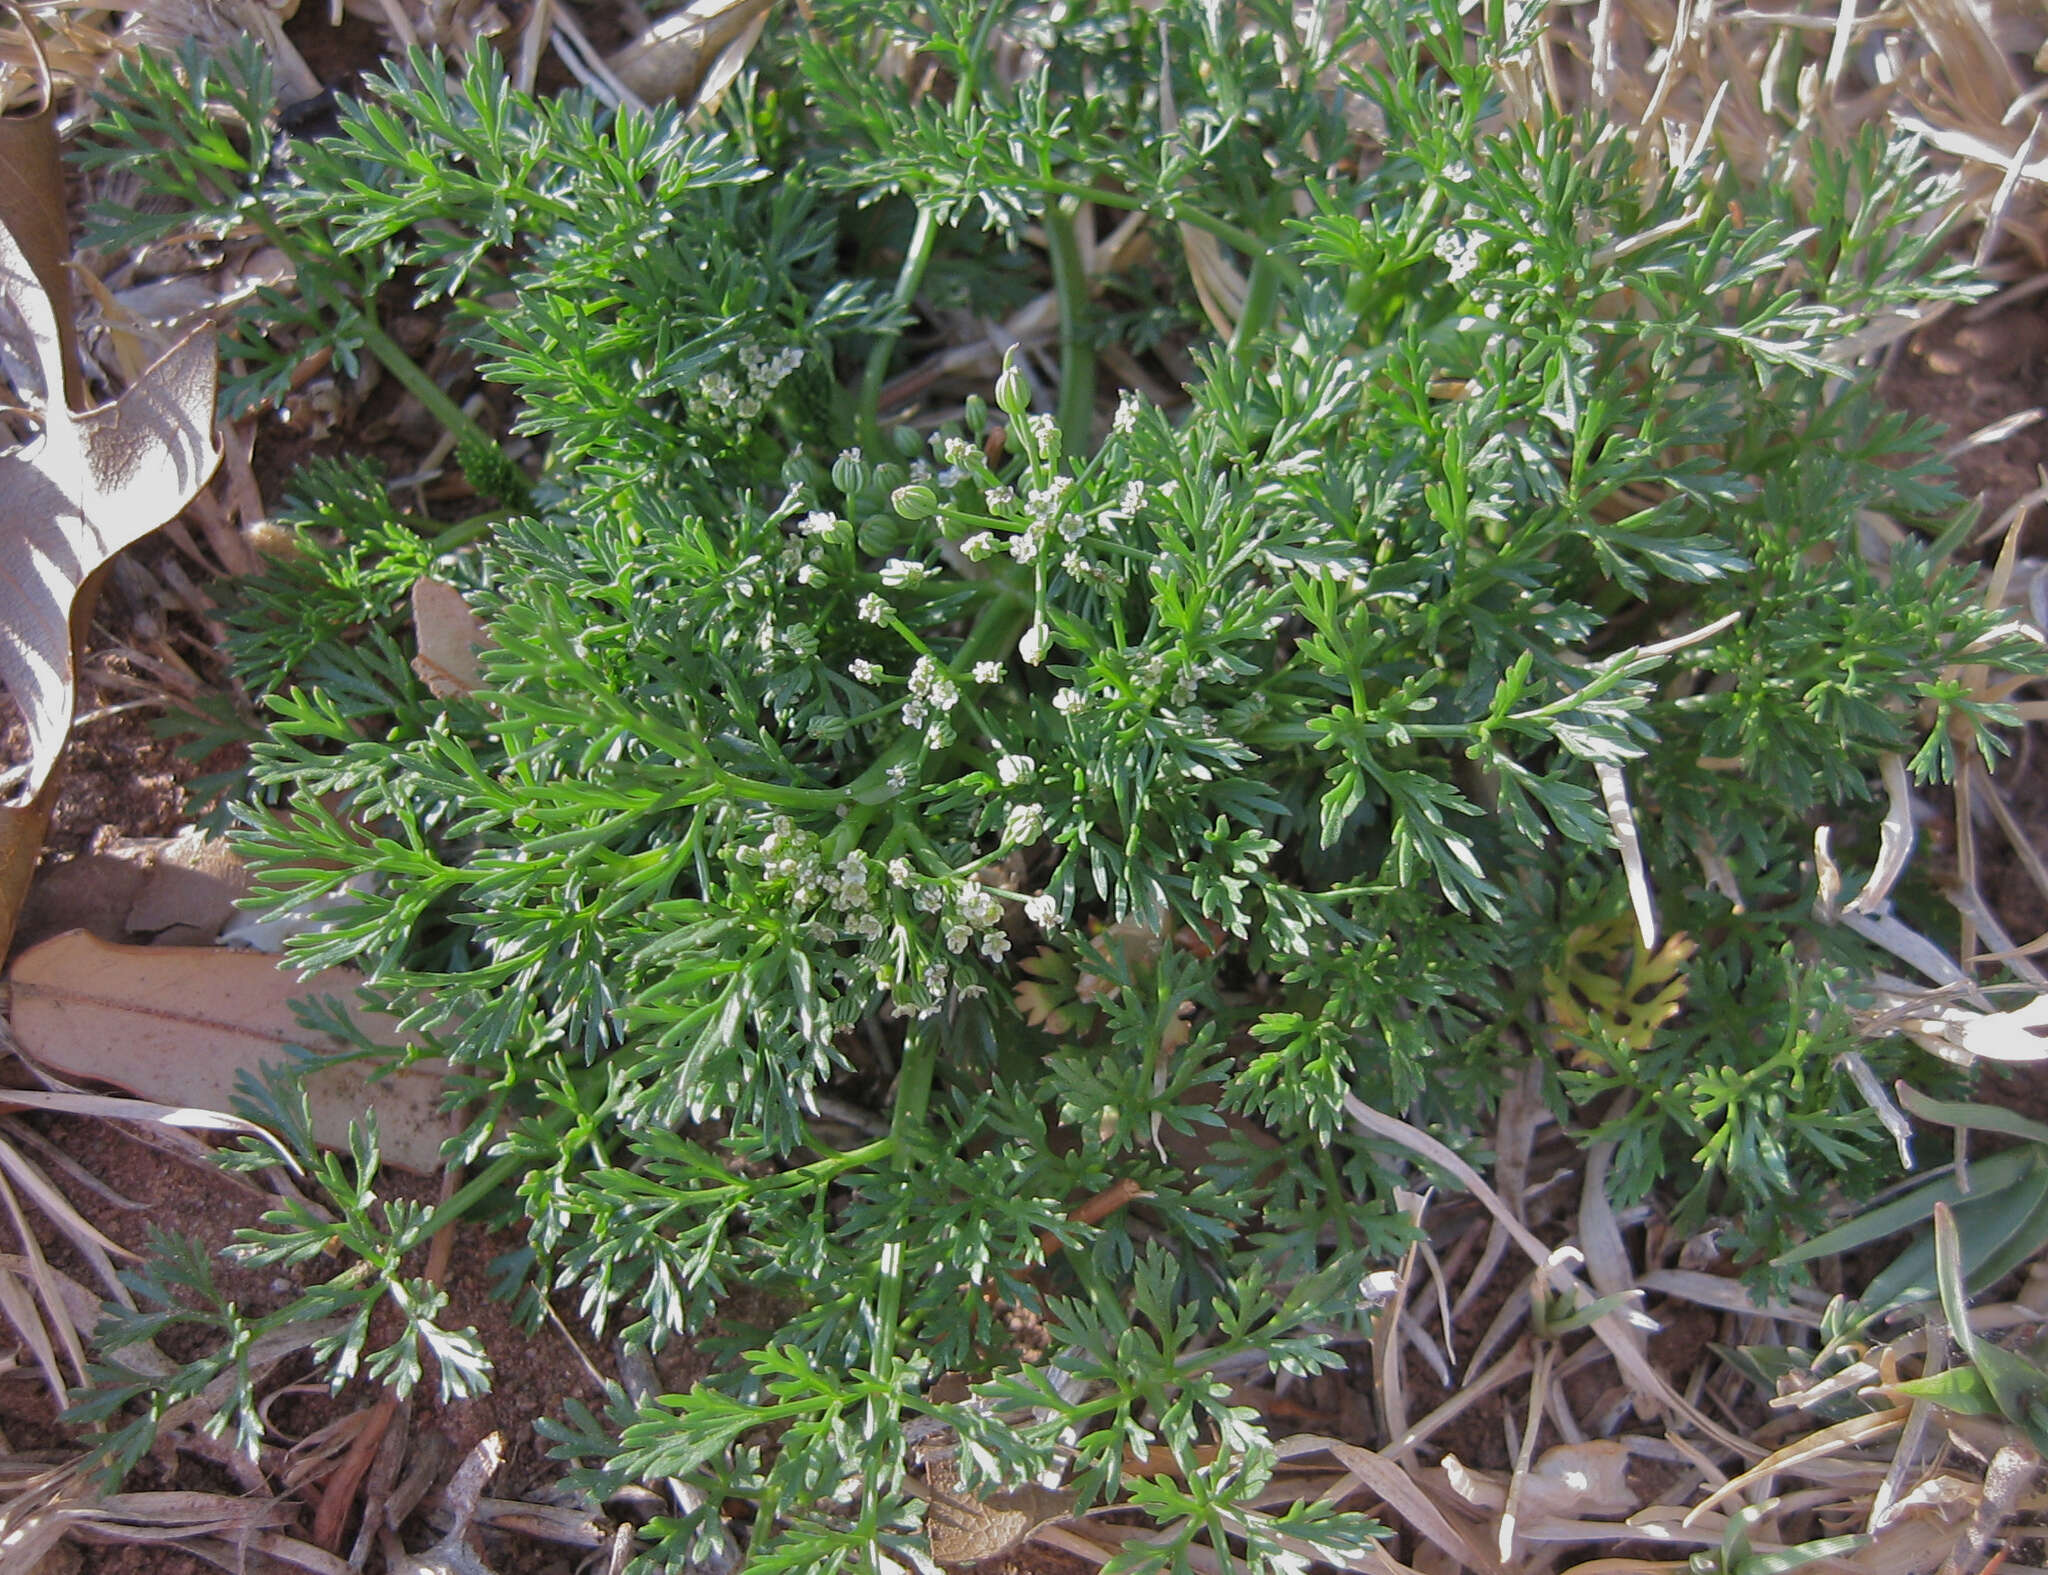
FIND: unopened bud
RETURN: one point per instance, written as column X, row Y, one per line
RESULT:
column 915, row 502
column 849, row 472
column 1012, row 392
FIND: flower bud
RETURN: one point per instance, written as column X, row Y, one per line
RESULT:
column 977, row 414
column 915, row 502
column 1032, row 646
column 1013, row 394
column 850, row 472
column 878, row 536
column 909, row 442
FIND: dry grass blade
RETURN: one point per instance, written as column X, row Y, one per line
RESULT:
column 1391, row 1483
column 1648, row 1383
column 1806, row 1452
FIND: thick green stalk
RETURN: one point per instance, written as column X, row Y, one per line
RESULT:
column 1077, row 348
column 416, row 382
column 923, row 238
column 1262, row 294
column 1224, row 231
column 479, row 1187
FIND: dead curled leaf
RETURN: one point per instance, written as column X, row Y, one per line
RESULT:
column 449, row 636
column 94, row 481
column 176, row 1024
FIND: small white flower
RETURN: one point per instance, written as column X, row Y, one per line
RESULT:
column 988, row 672
column 957, row 936
column 994, row 945
column 1041, row 910
column 1024, row 824
column 1013, row 769
column 899, row 777
column 1068, row 701
column 818, row 523
column 1128, row 404
column 899, row 871
column 1460, row 250
column 1000, row 498
column 982, row 544
column 930, row 683
column 900, row 573
column 872, row 609
column 951, row 477
column 810, row 574
column 1032, row 646
column 863, row 670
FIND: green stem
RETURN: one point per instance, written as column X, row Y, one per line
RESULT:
column 1262, row 295
column 1077, row 352
column 416, row 382
column 923, row 238
column 913, row 1100
column 380, row 344
column 479, row 1187
column 1224, row 231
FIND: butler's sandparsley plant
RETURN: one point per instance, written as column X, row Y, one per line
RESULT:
column 869, row 845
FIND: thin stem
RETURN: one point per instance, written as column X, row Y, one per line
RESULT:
column 429, row 393
column 923, row 238
column 1077, row 351
column 479, row 1187
column 381, row 345
column 1224, row 231
column 1262, row 295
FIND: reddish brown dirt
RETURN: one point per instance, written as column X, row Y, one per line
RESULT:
column 1967, row 372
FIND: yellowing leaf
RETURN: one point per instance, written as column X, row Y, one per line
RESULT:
column 1609, row 985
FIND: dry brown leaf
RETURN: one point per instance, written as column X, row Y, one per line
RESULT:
column 176, row 1024
column 95, row 481
column 92, row 483
column 177, row 891
column 692, row 55
column 449, row 636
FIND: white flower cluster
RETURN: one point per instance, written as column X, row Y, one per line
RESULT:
column 803, row 555
column 722, row 397
column 974, row 915
column 852, row 899
column 932, row 693
column 1460, row 250
column 842, row 892
column 903, row 573
column 1024, row 824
